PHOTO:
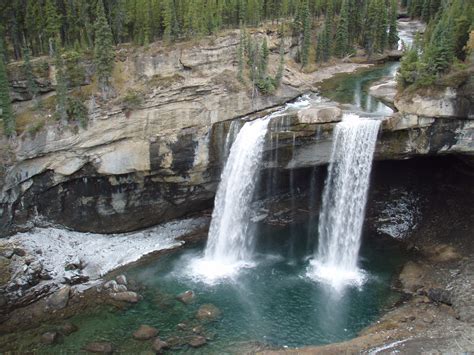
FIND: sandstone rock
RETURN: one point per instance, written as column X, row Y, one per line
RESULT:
column 186, row 297
column 208, row 312
column 121, row 288
column 384, row 90
column 101, row 347
column 411, row 277
column 68, row 328
column 448, row 103
column 49, row 338
column 129, row 296
column 145, row 332
column 324, row 114
column 159, row 345
column 121, row 280
column 59, row 299
column 197, row 341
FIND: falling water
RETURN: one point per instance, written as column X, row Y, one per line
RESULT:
column 344, row 200
column 230, row 242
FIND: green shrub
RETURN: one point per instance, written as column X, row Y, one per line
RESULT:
column 132, row 99
column 77, row 111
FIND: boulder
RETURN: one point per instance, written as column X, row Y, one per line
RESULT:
column 101, row 347
column 145, row 332
column 186, row 297
column 129, row 296
column 411, row 277
column 208, row 312
column 59, row 299
column 68, row 328
column 439, row 295
column 197, row 341
column 121, row 280
column 384, row 90
column 159, row 345
column 323, row 114
column 49, row 338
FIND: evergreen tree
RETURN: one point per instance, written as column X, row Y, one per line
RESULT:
column 28, row 72
column 392, row 29
column 407, row 74
column 241, row 51
column 53, row 24
column 306, row 22
column 281, row 64
column 61, row 85
column 6, row 112
column 263, row 62
column 103, row 51
column 341, row 47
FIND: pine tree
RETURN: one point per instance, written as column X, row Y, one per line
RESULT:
column 103, row 51
column 61, row 85
column 341, row 47
column 28, row 72
column 264, row 59
column 6, row 112
column 407, row 74
column 281, row 64
column 392, row 30
column 306, row 22
column 241, row 51
column 53, row 24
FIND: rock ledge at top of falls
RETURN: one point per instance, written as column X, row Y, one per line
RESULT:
column 322, row 114
column 449, row 103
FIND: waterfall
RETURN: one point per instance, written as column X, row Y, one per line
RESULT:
column 230, row 243
column 344, row 200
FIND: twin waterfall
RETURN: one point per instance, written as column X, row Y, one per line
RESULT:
column 344, row 200
column 231, row 240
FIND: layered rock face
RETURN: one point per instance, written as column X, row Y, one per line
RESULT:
column 135, row 168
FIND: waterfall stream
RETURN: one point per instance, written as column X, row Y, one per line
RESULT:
column 230, row 242
column 344, row 200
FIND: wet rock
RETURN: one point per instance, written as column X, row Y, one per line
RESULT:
column 197, row 341
column 145, row 332
column 121, row 280
column 439, row 295
column 49, row 338
column 208, row 312
column 198, row 330
column 76, row 279
column 59, row 299
column 129, row 296
column 121, row 288
column 182, row 326
column 159, row 345
column 101, row 347
column 186, row 297
column 75, row 265
column 111, row 285
column 68, row 328
column 175, row 342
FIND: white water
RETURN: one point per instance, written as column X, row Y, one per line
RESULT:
column 344, row 200
column 230, row 242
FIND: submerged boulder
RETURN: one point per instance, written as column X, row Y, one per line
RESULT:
column 208, row 312
column 159, row 345
column 197, row 341
column 323, row 114
column 145, row 332
column 49, row 338
column 128, row 296
column 101, row 347
column 186, row 297
column 59, row 299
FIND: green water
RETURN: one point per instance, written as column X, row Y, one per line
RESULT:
column 353, row 89
column 272, row 304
